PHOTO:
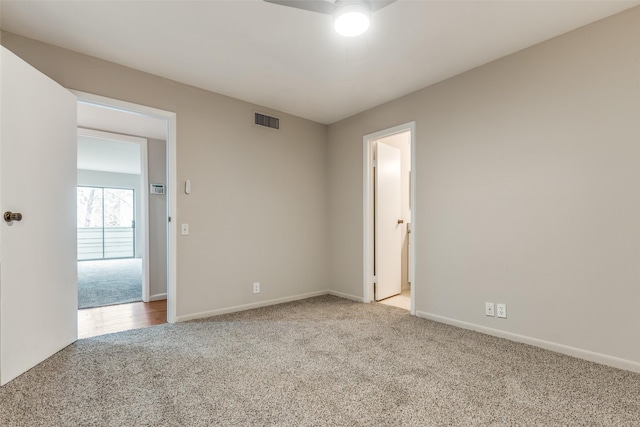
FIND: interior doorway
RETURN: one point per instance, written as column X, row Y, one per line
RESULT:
column 147, row 236
column 389, row 216
column 112, row 215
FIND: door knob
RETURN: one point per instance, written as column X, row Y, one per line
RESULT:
column 10, row 216
column 401, row 221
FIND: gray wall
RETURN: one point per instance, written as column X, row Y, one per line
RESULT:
column 528, row 191
column 257, row 211
column 92, row 178
column 157, row 161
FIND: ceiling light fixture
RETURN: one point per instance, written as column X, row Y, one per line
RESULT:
column 351, row 18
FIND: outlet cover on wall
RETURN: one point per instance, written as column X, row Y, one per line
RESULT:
column 256, row 288
column 502, row 310
column 488, row 309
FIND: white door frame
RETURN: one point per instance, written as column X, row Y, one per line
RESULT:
column 144, row 197
column 368, row 210
column 170, row 118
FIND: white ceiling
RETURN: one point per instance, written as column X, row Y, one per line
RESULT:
column 113, row 154
column 108, row 155
column 91, row 116
column 292, row 60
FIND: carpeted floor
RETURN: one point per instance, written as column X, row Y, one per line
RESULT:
column 109, row 282
column 321, row 361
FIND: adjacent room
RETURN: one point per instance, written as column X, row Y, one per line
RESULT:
column 121, row 220
column 109, row 255
column 430, row 218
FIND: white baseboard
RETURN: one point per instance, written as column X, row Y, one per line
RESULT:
column 158, row 297
column 216, row 312
column 548, row 345
column 345, row 296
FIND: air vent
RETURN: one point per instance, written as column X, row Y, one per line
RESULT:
column 267, row 121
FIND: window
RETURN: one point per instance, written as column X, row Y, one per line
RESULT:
column 106, row 225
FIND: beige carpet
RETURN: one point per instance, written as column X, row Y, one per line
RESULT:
column 321, row 361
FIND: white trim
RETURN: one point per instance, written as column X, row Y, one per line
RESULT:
column 144, row 181
column 92, row 133
column 591, row 356
column 367, row 210
column 158, row 297
column 172, row 181
column 412, row 195
column 345, row 296
column 144, row 196
column 210, row 313
column 367, row 223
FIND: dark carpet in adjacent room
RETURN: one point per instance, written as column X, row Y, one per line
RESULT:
column 109, row 282
column 322, row 361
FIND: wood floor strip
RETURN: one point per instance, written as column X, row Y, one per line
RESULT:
column 116, row 318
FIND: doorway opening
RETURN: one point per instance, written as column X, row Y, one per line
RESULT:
column 133, row 244
column 389, row 216
column 112, row 217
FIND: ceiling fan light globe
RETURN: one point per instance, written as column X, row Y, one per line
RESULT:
column 351, row 20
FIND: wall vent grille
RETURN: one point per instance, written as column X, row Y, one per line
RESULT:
column 266, row 121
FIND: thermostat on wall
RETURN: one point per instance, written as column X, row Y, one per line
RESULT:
column 157, row 188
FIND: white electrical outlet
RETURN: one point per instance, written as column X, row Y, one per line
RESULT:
column 488, row 309
column 256, row 288
column 185, row 229
column 502, row 310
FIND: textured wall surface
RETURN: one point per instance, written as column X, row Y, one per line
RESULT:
column 257, row 211
column 527, row 192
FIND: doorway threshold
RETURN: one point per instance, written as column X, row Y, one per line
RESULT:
column 93, row 322
column 402, row 300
